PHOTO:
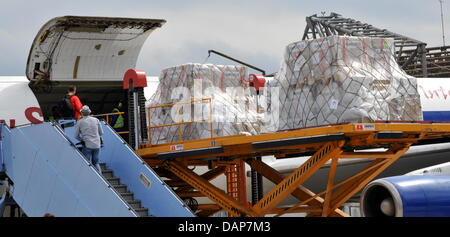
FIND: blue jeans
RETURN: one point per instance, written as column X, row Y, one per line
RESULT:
column 92, row 156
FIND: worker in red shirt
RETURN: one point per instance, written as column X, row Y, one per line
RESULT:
column 76, row 103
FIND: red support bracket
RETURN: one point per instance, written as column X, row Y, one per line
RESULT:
column 138, row 78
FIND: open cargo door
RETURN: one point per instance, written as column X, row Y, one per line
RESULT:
column 91, row 53
column 74, row 48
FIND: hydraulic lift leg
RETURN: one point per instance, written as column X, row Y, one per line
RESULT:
column 234, row 207
column 301, row 193
column 351, row 188
column 289, row 184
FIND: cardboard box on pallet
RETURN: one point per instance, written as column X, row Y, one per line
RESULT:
column 232, row 104
column 343, row 79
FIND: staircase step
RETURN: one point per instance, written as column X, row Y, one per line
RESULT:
column 123, row 191
column 120, row 188
column 135, row 203
column 114, row 181
column 141, row 211
column 108, row 174
column 127, row 196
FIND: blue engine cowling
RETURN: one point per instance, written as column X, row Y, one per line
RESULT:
column 408, row 196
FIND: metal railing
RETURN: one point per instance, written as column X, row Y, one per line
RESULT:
column 107, row 115
column 180, row 131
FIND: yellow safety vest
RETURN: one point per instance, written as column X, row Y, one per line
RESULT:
column 119, row 122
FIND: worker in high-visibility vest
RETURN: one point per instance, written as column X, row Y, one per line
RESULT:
column 117, row 120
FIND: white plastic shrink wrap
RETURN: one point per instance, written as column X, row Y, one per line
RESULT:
column 341, row 79
column 233, row 104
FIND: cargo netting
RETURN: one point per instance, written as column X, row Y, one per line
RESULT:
column 193, row 98
column 341, row 79
column 323, row 81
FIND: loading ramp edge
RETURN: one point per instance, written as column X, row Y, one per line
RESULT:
column 380, row 134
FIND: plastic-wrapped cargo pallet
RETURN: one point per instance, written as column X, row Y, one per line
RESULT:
column 233, row 106
column 343, row 79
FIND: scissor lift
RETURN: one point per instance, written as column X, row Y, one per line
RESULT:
column 326, row 144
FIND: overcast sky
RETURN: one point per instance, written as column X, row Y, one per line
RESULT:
column 254, row 31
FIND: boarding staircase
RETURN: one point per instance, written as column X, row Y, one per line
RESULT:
column 47, row 173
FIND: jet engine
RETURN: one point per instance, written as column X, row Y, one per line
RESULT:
column 407, row 196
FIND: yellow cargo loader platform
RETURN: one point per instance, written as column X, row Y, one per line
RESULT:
column 226, row 155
